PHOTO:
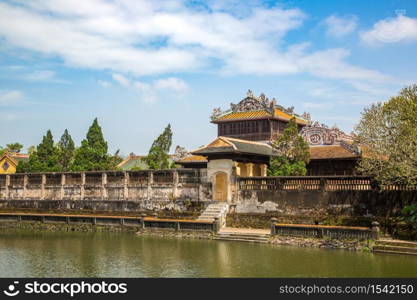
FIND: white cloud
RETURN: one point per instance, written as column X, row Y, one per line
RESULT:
column 10, row 97
column 143, row 37
column 330, row 64
column 151, row 92
column 172, row 83
column 391, row 30
column 340, row 26
column 121, row 79
column 42, row 75
column 142, row 86
column 104, row 83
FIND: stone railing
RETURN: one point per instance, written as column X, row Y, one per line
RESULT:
column 106, row 185
column 141, row 222
column 322, row 231
column 317, row 183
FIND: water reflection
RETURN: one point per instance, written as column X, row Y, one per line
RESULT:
column 75, row 254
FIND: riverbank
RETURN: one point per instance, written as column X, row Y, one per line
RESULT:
column 352, row 245
column 324, row 243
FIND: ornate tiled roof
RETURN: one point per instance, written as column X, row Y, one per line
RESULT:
column 253, row 107
column 245, row 115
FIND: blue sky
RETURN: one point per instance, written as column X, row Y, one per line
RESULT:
column 139, row 65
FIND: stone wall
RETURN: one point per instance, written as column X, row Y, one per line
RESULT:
column 315, row 196
column 356, row 203
column 109, row 190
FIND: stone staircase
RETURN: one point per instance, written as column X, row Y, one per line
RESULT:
column 215, row 210
column 243, row 235
column 395, row 247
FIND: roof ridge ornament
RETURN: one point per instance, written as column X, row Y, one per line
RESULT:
column 180, row 153
column 249, row 94
column 251, row 103
column 320, row 134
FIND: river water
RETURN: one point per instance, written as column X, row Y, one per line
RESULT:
column 80, row 254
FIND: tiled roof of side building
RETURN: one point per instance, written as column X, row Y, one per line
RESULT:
column 193, row 159
column 137, row 161
column 133, row 161
column 20, row 157
column 331, row 152
column 232, row 145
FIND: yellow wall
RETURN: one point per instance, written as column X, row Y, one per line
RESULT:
column 10, row 170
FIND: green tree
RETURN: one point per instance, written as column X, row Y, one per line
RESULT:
column 66, row 150
column 44, row 159
column 387, row 134
column 92, row 154
column 291, row 153
column 14, row 147
column 158, row 157
column 31, row 150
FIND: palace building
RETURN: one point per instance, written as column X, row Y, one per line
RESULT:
column 247, row 130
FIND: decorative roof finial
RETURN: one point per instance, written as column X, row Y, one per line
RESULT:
column 249, row 94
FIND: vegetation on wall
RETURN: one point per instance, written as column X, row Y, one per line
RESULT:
column 387, row 133
column 410, row 215
column 291, row 153
column 158, row 157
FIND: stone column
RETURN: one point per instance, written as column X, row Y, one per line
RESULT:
column 25, row 182
column 375, row 230
column 125, row 186
column 7, row 196
column 103, row 186
column 150, row 183
column 62, row 186
column 176, row 182
column 273, row 221
column 43, row 181
column 82, row 191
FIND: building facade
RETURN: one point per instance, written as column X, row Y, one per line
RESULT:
column 243, row 148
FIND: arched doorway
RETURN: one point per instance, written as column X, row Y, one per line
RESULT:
column 220, row 187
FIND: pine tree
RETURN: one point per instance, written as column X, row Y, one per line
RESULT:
column 44, row 159
column 66, row 149
column 92, row 154
column 158, row 157
column 292, row 153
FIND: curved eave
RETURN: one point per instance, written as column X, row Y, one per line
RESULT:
column 298, row 121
